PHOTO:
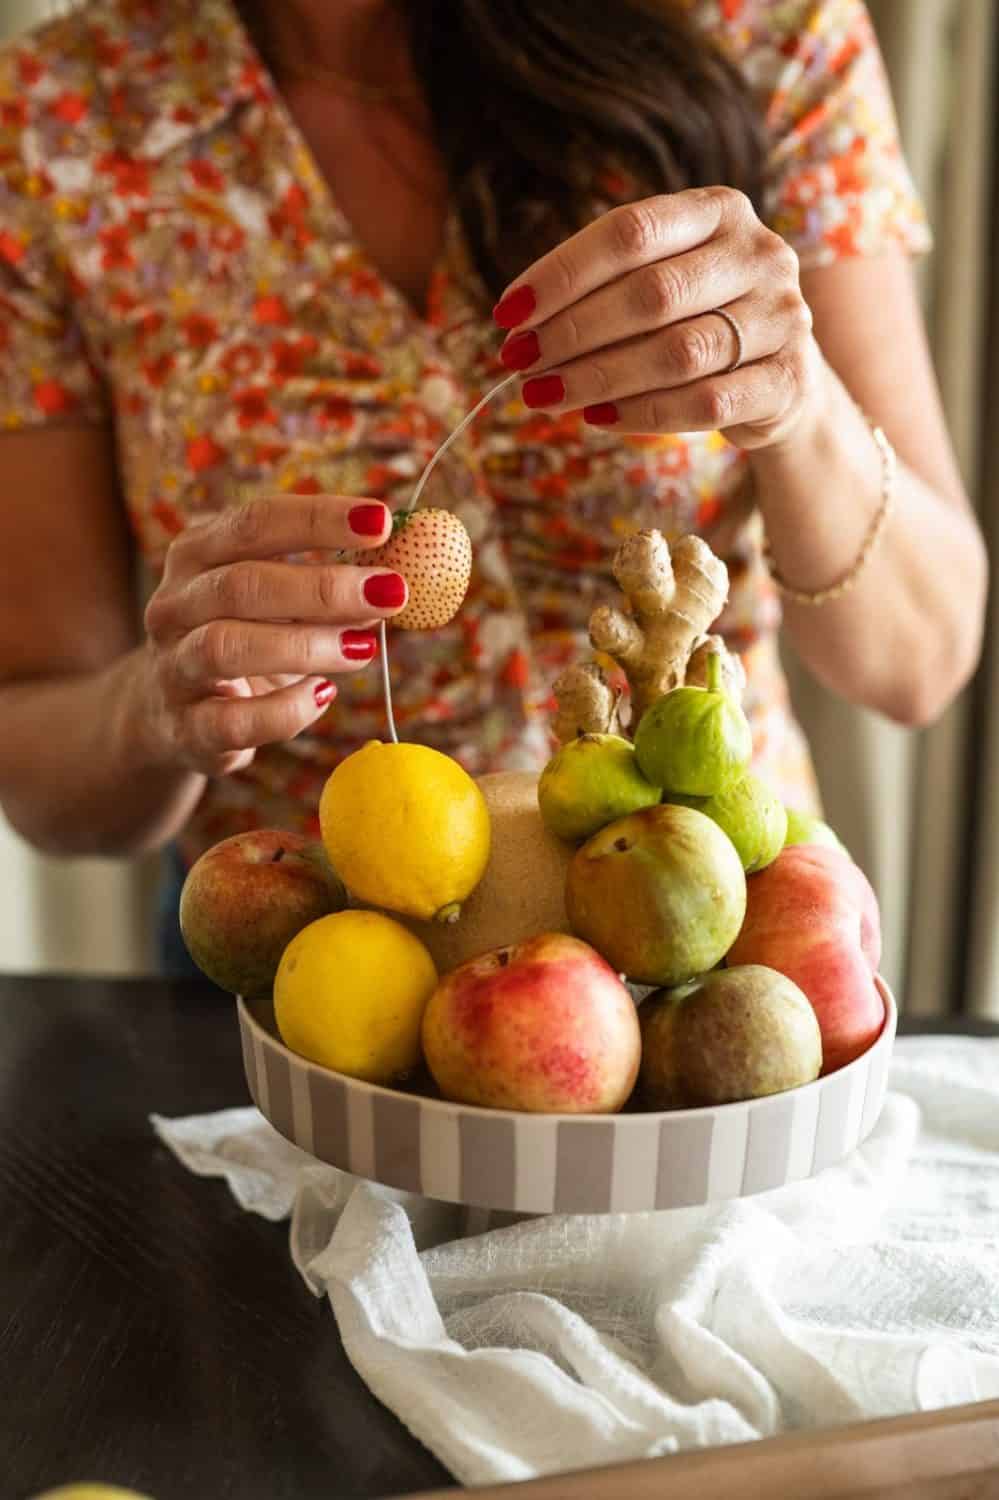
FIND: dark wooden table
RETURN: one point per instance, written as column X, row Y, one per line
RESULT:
column 151, row 1333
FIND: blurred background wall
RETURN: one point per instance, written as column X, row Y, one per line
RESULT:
column 918, row 811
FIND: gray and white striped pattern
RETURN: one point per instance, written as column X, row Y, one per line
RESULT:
column 563, row 1163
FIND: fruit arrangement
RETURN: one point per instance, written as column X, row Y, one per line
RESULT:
column 486, row 939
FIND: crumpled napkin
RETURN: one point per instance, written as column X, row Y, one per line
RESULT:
column 562, row 1342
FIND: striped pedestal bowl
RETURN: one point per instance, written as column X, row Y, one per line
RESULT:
column 535, row 1164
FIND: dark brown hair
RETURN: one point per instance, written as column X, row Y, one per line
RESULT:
column 546, row 111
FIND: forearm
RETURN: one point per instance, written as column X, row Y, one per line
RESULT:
column 907, row 636
column 76, row 773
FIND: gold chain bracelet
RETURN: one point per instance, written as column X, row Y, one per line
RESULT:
column 889, row 470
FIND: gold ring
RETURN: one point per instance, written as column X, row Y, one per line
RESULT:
column 739, row 341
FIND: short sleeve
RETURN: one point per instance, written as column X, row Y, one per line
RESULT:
column 46, row 376
column 837, row 183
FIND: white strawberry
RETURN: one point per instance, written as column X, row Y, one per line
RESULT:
column 433, row 552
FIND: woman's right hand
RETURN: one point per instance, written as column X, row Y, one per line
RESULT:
column 241, row 643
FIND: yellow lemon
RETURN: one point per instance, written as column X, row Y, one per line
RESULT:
column 406, row 828
column 90, row 1492
column 350, row 993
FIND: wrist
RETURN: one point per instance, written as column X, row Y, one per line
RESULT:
column 817, row 553
column 135, row 722
column 809, row 428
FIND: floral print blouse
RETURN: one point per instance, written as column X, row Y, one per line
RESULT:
column 172, row 263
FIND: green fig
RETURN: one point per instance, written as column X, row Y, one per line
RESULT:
column 694, row 741
column 751, row 814
column 591, row 781
column 806, row 828
column 660, row 894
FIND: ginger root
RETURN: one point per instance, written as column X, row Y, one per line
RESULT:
column 587, row 704
column 733, row 673
column 673, row 598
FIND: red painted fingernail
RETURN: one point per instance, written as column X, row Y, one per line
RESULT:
column 385, row 590
column 521, row 350
column 325, row 693
column 358, row 645
column 366, row 520
column 515, row 307
column 544, row 390
column 603, row 414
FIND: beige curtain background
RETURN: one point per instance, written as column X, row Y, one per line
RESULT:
column 916, row 810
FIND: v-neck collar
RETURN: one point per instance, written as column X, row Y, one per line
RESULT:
column 327, row 206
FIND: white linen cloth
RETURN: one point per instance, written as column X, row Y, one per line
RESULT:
column 568, row 1341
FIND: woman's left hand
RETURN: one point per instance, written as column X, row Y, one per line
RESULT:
column 621, row 320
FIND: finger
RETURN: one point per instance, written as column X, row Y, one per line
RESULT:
column 640, row 302
column 224, row 650
column 634, row 235
column 276, row 526
column 337, row 594
column 220, row 727
column 754, row 394
column 679, row 355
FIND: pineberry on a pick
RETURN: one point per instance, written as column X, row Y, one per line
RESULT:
column 433, row 552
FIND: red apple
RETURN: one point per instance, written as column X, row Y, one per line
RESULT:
column 544, row 1026
column 813, row 916
column 246, row 898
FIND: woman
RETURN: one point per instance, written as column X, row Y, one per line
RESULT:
column 248, row 253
